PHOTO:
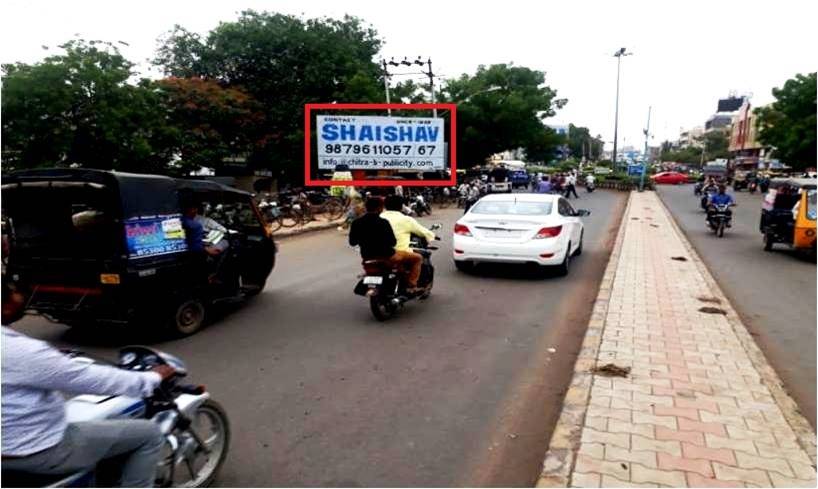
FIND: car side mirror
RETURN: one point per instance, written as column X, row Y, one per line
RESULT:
column 582, row 212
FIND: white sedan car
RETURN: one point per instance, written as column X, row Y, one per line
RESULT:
column 519, row 228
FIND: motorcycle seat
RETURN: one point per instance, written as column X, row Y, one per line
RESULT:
column 378, row 266
column 14, row 478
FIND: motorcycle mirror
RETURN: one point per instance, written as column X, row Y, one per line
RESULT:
column 436, row 226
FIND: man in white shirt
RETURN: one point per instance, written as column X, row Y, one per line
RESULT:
column 571, row 185
column 36, row 436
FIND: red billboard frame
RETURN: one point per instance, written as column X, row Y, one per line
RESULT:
column 311, row 182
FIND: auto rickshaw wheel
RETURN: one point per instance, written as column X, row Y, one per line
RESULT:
column 189, row 317
column 768, row 242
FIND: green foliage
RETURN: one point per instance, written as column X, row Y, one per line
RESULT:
column 500, row 108
column 213, row 122
column 716, row 144
column 788, row 124
column 79, row 108
column 581, row 143
column 689, row 154
column 283, row 62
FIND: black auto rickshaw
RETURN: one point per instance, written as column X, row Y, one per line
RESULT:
column 93, row 246
column 788, row 215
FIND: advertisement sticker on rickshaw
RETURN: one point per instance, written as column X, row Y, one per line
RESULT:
column 154, row 235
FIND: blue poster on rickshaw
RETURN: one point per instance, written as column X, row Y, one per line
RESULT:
column 154, row 235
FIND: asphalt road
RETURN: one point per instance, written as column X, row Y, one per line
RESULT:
column 774, row 293
column 460, row 390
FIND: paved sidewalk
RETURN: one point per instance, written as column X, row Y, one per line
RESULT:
column 700, row 406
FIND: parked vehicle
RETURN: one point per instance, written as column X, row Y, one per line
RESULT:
column 669, row 177
column 110, row 247
column 385, row 285
column 195, row 427
column 788, row 215
column 542, row 229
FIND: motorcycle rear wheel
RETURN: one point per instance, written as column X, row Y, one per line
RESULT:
column 382, row 310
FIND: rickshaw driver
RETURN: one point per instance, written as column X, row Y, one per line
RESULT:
column 195, row 232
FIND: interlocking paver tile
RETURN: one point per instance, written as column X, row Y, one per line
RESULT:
column 694, row 410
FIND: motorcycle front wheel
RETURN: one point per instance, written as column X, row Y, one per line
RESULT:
column 199, row 469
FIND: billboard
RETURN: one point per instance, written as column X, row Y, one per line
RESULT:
column 380, row 142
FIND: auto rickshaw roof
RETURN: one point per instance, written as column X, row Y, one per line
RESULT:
column 123, row 179
column 140, row 193
column 804, row 183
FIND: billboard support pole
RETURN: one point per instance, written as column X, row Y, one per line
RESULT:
column 386, row 85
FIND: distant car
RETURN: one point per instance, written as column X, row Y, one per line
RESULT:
column 670, row 177
column 522, row 228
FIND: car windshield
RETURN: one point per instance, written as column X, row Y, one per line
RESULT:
column 512, row 207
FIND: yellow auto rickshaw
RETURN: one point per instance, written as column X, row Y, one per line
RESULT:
column 788, row 214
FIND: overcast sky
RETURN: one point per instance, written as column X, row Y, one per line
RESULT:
column 686, row 54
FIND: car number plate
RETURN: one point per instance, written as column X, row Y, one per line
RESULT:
column 373, row 280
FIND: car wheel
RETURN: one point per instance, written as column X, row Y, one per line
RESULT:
column 464, row 266
column 563, row 268
column 188, row 317
column 578, row 251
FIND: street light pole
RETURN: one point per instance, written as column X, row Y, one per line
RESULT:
column 645, row 162
column 618, row 56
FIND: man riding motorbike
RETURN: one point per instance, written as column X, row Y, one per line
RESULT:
column 403, row 228
column 718, row 199
column 36, row 436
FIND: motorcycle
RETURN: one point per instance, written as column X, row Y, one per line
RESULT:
column 385, row 285
column 590, row 187
column 189, row 458
column 752, row 187
column 697, row 189
column 719, row 218
column 420, row 205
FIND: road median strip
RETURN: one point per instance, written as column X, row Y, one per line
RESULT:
column 700, row 405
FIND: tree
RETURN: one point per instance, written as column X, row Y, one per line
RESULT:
column 788, row 124
column 212, row 122
column 581, row 143
column 283, row 62
column 79, row 108
column 716, row 144
column 501, row 107
column 542, row 149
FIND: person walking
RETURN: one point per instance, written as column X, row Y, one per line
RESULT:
column 570, row 186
